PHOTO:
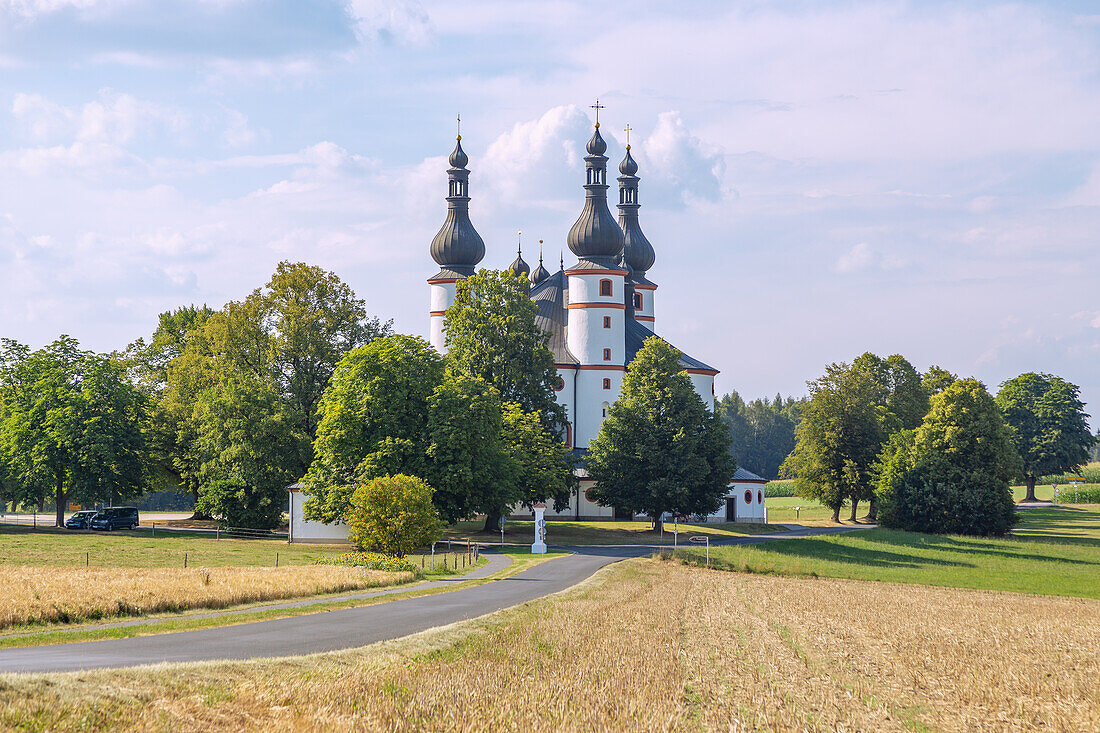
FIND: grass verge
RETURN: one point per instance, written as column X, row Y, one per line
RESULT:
column 642, row 645
column 562, row 532
column 1053, row 551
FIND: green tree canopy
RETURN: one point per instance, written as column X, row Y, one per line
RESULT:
column 660, row 449
column 374, row 421
column 252, row 453
column 1049, row 426
column 71, row 426
column 491, row 333
column 469, row 468
column 937, row 379
column 839, row 438
column 393, row 515
column 951, row 475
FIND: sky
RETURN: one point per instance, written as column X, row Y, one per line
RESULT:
column 819, row 178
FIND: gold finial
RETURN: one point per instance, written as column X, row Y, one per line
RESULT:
column 519, row 241
column 459, row 137
column 597, row 106
column 627, row 130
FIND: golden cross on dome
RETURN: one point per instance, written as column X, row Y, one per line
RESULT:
column 627, row 130
column 459, row 127
column 597, row 106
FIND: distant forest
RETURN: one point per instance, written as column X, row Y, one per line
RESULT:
column 762, row 430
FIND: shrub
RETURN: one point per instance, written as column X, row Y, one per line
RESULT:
column 370, row 561
column 951, row 474
column 393, row 515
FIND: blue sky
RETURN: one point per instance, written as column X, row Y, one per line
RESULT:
column 819, row 179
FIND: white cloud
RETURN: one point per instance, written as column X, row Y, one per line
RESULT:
column 112, row 118
column 858, row 258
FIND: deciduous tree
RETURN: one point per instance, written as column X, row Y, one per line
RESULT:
column 1048, row 423
column 838, row 439
column 660, row 449
column 373, row 421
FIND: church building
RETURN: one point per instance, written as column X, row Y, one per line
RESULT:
column 597, row 313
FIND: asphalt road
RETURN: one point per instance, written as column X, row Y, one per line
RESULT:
column 341, row 629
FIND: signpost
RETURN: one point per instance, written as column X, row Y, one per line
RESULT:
column 500, row 524
column 538, row 547
column 700, row 539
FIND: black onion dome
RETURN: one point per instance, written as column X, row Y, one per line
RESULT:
column 458, row 248
column 596, row 146
column 458, row 158
column 629, row 166
column 540, row 273
column 596, row 236
column 519, row 267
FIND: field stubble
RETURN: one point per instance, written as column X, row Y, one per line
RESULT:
column 645, row 645
column 31, row 595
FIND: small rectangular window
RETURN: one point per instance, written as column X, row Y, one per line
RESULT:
column 607, row 354
column 607, row 321
column 605, row 288
column 637, row 301
column 607, row 384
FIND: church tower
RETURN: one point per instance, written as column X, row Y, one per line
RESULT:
column 638, row 253
column 596, row 334
column 457, row 248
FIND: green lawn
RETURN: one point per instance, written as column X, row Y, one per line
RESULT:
column 20, row 545
column 1052, row 551
column 601, row 533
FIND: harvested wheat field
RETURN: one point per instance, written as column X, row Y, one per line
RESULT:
column 48, row 594
column 644, row 645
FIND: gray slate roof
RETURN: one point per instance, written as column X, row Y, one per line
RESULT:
column 551, row 296
column 743, row 475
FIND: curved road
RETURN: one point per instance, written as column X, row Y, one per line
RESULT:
column 345, row 628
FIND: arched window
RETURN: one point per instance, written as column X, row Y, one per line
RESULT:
column 606, row 383
column 559, row 384
column 748, row 496
column 607, row 321
column 605, row 288
column 759, row 497
column 569, row 434
column 607, row 354
column 605, row 407
column 637, row 301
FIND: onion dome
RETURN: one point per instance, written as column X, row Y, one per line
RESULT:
column 596, row 146
column 595, row 237
column 637, row 251
column 629, row 166
column 457, row 248
column 540, row 273
column 519, row 267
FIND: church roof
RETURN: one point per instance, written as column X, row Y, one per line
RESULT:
column 636, row 334
column 550, row 296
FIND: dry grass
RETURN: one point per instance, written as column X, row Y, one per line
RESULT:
column 644, row 645
column 45, row 594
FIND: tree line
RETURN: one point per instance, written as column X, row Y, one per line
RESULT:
column 932, row 452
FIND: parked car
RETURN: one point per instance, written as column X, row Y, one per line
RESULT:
column 116, row 517
column 80, row 520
